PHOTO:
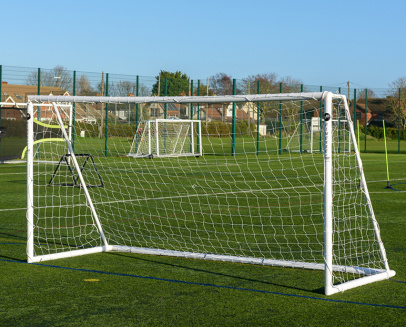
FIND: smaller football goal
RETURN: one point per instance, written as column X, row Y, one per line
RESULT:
column 167, row 138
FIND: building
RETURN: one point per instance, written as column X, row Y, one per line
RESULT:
column 377, row 110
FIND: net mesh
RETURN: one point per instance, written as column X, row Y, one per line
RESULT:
column 256, row 192
column 166, row 137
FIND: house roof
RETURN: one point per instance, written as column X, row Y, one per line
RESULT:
column 218, row 111
column 375, row 105
column 18, row 93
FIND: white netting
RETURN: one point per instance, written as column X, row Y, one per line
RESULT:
column 166, row 137
column 256, row 192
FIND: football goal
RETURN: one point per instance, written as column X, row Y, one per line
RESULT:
column 216, row 188
column 167, row 137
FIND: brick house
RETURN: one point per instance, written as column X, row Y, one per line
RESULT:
column 376, row 111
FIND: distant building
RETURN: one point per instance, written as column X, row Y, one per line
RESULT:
column 376, row 111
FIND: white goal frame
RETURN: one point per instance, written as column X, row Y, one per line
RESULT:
column 315, row 127
column 371, row 275
column 153, row 139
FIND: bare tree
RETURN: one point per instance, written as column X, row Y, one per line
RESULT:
column 267, row 83
column 144, row 90
column 290, row 84
column 271, row 83
column 399, row 83
column 363, row 93
column 56, row 77
column 125, row 88
column 396, row 101
column 84, row 86
column 221, row 84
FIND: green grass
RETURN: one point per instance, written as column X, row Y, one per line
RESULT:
column 164, row 291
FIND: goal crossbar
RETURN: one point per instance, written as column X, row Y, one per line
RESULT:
column 182, row 99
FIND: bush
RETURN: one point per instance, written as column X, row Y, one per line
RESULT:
column 377, row 132
column 92, row 130
column 224, row 129
column 216, row 128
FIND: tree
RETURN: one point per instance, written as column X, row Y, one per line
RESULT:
column 204, row 90
column 271, row 83
column 144, row 91
column 399, row 83
column 397, row 93
column 290, row 84
column 267, row 83
column 221, row 84
column 123, row 88
column 362, row 93
column 56, row 77
column 83, row 86
column 177, row 83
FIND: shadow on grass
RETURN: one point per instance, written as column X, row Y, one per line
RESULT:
column 216, row 273
column 12, row 237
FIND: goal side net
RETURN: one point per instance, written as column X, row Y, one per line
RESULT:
column 237, row 178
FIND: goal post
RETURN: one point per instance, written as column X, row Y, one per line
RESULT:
column 166, row 138
column 216, row 188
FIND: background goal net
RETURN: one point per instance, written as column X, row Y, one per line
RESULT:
column 257, row 192
column 166, row 138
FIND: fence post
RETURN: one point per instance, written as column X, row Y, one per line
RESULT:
column 191, row 117
column 258, row 92
column 198, row 118
column 198, row 94
column 233, row 120
column 191, row 105
column 106, row 128
column 165, row 112
column 301, row 122
column 73, row 110
column 355, row 113
column 137, row 105
column 366, row 121
column 400, row 90
column 39, row 93
column 165, row 94
column 339, row 123
column 280, row 121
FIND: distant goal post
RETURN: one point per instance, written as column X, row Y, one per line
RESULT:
column 167, row 138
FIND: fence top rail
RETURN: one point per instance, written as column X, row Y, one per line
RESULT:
column 182, row 99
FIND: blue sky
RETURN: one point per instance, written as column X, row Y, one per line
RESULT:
column 319, row 42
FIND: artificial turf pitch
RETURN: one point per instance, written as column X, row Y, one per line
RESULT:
column 127, row 289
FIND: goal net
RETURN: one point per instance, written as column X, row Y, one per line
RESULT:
column 256, row 194
column 167, row 137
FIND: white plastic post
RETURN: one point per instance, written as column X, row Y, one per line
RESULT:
column 156, row 137
column 200, row 138
column 328, row 191
column 149, row 138
column 30, row 183
column 192, row 137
